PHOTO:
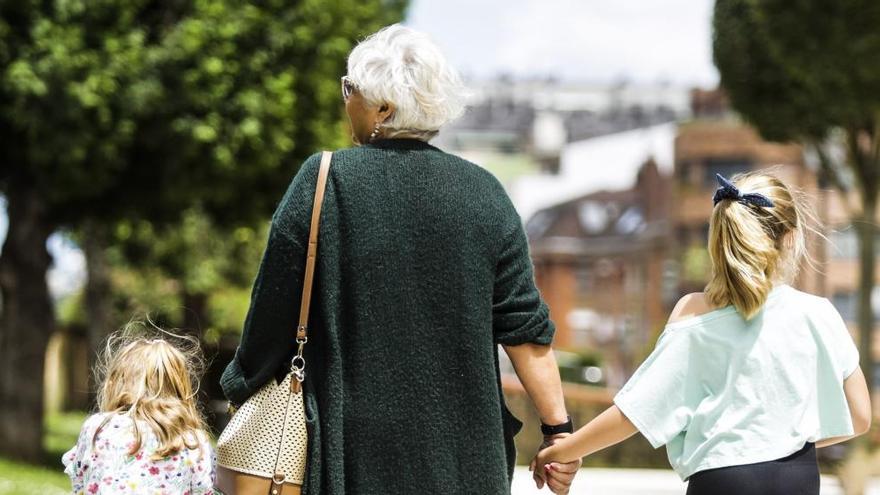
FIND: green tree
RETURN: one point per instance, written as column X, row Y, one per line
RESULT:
column 198, row 264
column 188, row 275
column 139, row 109
column 806, row 70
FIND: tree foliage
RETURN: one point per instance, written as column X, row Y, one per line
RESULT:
column 798, row 69
column 147, row 105
column 161, row 270
column 116, row 110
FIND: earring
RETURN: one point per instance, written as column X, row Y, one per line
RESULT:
column 375, row 132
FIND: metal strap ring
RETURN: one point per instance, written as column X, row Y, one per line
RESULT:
column 300, row 359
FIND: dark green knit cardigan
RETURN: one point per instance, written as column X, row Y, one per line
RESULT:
column 423, row 267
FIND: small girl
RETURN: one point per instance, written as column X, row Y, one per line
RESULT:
column 149, row 436
column 748, row 377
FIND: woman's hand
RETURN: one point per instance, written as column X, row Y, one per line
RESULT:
column 557, row 476
column 536, row 368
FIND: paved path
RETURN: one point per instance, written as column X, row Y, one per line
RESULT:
column 594, row 481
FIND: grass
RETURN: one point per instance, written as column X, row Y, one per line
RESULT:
column 26, row 479
column 61, row 432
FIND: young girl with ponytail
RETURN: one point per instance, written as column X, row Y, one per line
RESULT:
column 750, row 376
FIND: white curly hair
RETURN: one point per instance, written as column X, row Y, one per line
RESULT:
column 404, row 67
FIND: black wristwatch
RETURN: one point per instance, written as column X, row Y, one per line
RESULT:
column 566, row 427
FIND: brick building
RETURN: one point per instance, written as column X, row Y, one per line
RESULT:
column 598, row 261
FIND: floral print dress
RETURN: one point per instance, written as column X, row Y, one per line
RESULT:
column 106, row 467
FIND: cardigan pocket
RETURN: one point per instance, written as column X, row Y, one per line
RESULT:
column 512, row 426
column 313, row 475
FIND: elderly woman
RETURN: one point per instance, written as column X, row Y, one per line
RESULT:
column 423, row 269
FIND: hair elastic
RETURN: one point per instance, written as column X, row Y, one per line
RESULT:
column 727, row 190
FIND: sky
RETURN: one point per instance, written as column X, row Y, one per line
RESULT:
column 68, row 263
column 601, row 41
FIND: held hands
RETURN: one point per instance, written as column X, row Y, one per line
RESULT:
column 557, row 476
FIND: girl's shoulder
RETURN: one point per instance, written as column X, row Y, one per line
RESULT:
column 95, row 421
column 105, row 419
column 694, row 309
column 112, row 427
column 106, row 428
column 689, row 306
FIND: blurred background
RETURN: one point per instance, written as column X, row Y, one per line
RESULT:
column 144, row 145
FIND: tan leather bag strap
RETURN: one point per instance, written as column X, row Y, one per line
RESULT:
column 298, row 363
column 312, row 252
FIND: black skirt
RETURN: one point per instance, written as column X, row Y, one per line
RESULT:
column 796, row 474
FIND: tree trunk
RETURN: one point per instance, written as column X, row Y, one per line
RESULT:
column 195, row 313
column 26, row 323
column 867, row 258
column 77, row 369
column 820, row 241
column 97, row 300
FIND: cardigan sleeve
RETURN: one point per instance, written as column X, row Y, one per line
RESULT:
column 267, row 339
column 519, row 315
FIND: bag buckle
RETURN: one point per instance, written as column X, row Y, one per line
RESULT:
column 277, row 479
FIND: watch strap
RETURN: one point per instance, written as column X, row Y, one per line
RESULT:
column 567, row 427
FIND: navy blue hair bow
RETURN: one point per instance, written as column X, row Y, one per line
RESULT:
column 727, row 190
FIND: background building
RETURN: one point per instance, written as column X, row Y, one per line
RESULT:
column 598, row 260
column 612, row 261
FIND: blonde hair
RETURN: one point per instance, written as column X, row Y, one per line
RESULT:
column 751, row 247
column 144, row 376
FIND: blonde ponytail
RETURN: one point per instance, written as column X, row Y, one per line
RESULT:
column 753, row 247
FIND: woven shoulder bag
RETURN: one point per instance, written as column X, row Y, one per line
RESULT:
column 262, row 451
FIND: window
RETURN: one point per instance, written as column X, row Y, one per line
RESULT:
column 682, row 172
column 593, row 216
column 844, row 243
column 704, row 233
column 632, row 221
column 584, row 278
column 846, row 303
column 539, row 223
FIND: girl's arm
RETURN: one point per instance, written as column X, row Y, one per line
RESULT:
column 612, row 426
column 72, row 468
column 660, row 376
column 73, row 459
column 607, row 429
column 859, row 402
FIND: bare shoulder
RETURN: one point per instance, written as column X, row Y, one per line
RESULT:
column 694, row 304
